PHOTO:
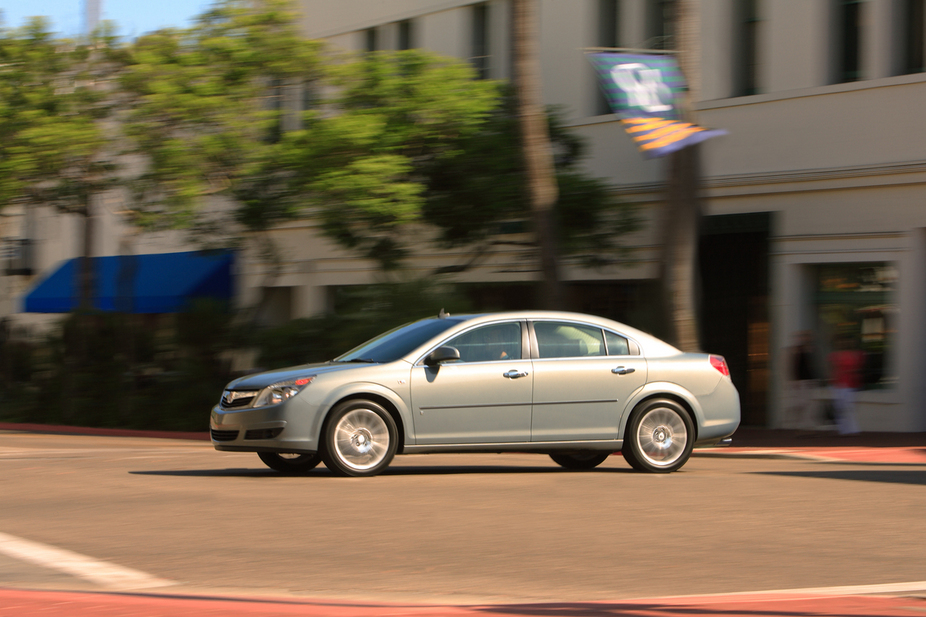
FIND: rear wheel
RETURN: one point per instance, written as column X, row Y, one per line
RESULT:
column 583, row 460
column 289, row 462
column 360, row 439
column 659, row 437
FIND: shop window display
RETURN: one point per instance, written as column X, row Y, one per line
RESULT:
column 855, row 303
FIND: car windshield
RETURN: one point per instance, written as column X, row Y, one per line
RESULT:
column 392, row 345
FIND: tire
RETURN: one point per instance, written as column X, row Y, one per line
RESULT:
column 659, row 437
column 581, row 460
column 360, row 439
column 290, row 462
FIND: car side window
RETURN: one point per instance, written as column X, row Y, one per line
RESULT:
column 617, row 344
column 489, row 343
column 556, row 339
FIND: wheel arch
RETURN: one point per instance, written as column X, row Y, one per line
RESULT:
column 379, row 399
column 689, row 405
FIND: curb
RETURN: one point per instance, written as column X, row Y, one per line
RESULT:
column 59, row 429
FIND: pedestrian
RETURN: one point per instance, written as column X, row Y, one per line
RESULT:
column 804, row 381
column 847, row 363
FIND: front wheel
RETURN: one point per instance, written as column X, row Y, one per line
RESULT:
column 659, row 437
column 584, row 460
column 286, row 462
column 360, row 439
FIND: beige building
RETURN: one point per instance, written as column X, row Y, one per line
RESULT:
column 815, row 201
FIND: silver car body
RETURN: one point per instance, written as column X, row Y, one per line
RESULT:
column 530, row 404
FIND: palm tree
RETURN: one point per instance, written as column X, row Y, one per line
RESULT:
column 683, row 209
column 538, row 154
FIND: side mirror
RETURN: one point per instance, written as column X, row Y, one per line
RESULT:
column 442, row 354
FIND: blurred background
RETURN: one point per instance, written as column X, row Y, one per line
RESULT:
column 270, row 183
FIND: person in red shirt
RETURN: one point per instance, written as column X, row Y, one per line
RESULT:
column 846, row 366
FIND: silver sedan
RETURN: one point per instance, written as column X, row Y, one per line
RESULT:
column 575, row 387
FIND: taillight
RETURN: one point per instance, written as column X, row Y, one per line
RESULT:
column 720, row 364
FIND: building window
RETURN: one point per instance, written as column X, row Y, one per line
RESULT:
column 480, row 39
column 855, row 306
column 608, row 28
column 660, row 24
column 406, row 35
column 371, row 41
column 913, row 23
column 848, row 48
column 746, row 44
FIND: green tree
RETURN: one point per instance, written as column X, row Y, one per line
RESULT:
column 478, row 196
column 417, row 142
column 56, row 144
column 362, row 169
column 205, row 111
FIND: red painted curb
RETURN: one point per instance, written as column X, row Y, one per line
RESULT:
column 85, row 604
column 103, row 432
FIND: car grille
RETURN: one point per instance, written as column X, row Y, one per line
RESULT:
column 232, row 399
column 224, row 435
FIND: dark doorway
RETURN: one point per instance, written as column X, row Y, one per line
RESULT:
column 734, row 303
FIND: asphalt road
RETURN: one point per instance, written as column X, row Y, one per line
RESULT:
column 454, row 528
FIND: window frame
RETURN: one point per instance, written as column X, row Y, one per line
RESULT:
column 633, row 346
column 525, row 344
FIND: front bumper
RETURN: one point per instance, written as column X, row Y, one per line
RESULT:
column 281, row 428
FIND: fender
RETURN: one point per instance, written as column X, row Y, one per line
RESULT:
column 657, row 388
column 361, row 388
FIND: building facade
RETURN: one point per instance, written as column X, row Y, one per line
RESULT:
column 814, row 203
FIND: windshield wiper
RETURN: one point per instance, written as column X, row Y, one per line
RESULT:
column 364, row 360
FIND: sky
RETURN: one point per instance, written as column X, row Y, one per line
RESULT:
column 132, row 17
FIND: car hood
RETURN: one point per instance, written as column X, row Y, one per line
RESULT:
column 262, row 380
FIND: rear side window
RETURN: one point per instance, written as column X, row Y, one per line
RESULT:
column 556, row 339
column 617, row 344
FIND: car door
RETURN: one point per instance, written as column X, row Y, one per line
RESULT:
column 485, row 397
column 583, row 375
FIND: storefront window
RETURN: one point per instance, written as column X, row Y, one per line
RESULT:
column 855, row 306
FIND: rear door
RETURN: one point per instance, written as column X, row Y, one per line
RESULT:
column 583, row 376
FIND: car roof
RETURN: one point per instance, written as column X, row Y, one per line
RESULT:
column 651, row 345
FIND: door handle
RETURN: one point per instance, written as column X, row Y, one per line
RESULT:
column 622, row 370
column 514, row 374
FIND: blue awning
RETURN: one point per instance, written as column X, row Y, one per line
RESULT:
column 158, row 283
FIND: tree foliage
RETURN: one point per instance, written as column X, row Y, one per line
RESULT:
column 55, row 148
column 363, row 167
column 478, row 196
column 204, row 106
column 398, row 146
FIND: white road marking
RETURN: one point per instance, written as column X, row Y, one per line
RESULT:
column 810, row 592
column 103, row 573
column 857, row 590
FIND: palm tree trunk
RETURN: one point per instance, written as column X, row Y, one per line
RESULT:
column 87, row 275
column 683, row 210
column 538, row 154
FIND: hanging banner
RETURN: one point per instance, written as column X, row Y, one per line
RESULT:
column 645, row 91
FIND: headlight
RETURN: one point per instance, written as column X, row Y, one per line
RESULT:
column 279, row 392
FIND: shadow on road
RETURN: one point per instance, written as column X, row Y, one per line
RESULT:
column 626, row 610
column 891, row 476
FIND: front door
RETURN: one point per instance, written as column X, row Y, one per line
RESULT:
column 483, row 398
